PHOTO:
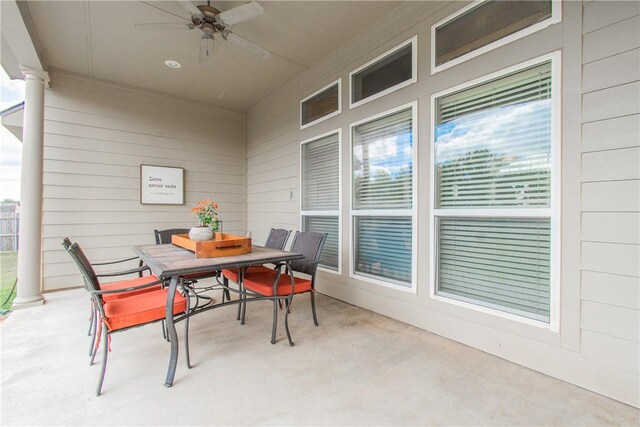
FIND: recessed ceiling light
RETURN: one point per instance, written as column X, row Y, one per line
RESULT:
column 172, row 64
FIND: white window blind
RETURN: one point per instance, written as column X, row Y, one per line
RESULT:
column 382, row 202
column 320, row 198
column 382, row 163
column 383, row 248
column 330, row 225
column 493, row 152
column 503, row 263
column 493, row 143
column 320, row 178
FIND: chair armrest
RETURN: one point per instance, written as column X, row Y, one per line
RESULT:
column 130, row 288
column 115, row 262
column 125, row 272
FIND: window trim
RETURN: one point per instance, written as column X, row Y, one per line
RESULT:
column 328, row 116
column 556, row 17
column 413, row 212
column 553, row 212
column 413, row 41
column 337, row 213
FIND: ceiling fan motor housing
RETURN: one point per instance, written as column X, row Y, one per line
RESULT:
column 208, row 23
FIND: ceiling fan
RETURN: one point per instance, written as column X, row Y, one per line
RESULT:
column 212, row 22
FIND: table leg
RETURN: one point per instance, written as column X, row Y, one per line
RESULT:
column 171, row 329
column 242, row 272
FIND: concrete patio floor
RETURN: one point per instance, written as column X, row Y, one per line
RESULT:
column 357, row 368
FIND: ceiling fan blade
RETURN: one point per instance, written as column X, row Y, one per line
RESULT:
column 246, row 44
column 191, row 8
column 154, row 26
column 241, row 13
column 206, row 50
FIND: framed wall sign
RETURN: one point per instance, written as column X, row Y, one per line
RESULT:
column 161, row 185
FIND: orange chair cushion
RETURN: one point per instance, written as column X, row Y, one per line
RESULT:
column 138, row 281
column 140, row 309
column 263, row 284
column 233, row 273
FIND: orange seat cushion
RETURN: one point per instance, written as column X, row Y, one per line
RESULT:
column 140, row 309
column 263, row 284
column 138, row 281
column 233, row 273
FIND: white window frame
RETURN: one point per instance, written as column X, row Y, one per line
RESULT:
column 413, row 41
column 328, row 116
column 413, row 213
column 556, row 16
column 337, row 213
column 553, row 212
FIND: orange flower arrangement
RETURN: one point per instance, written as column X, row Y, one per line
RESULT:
column 207, row 214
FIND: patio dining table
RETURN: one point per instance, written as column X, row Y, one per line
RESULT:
column 172, row 262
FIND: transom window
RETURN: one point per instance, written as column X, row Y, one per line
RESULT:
column 388, row 72
column 486, row 25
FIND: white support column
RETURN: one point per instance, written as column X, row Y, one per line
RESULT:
column 30, row 250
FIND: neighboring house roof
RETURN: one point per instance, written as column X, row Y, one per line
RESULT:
column 12, row 109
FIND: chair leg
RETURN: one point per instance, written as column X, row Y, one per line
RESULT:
column 92, row 332
column 313, row 307
column 289, row 300
column 91, row 317
column 105, row 354
column 164, row 331
column 225, row 281
column 275, row 321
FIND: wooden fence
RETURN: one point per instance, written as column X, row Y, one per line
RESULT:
column 9, row 228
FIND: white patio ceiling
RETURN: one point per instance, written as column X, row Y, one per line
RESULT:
column 98, row 39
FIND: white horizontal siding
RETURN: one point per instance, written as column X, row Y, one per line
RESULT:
column 611, row 351
column 618, row 322
column 618, row 227
column 610, row 228
column 612, row 289
column 611, row 40
column 600, row 14
column 611, row 165
column 92, row 157
column 619, row 132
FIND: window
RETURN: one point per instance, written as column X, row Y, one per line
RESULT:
column 321, row 105
column 486, row 25
column 494, row 197
column 382, row 210
column 320, row 187
column 388, row 72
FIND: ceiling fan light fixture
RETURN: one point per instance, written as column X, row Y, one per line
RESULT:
column 172, row 63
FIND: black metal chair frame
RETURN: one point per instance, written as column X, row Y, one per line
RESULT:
column 276, row 239
column 301, row 266
column 91, row 278
column 66, row 243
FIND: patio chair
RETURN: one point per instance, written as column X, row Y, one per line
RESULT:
column 140, row 280
column 117, row 315
column 163, row 237
column 278, row 287
column 277, row 239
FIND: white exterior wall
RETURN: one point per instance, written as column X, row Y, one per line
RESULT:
column 596, row 346
column 96, row 136
column 611, row 185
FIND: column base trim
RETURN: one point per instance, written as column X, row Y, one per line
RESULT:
column 27, row 302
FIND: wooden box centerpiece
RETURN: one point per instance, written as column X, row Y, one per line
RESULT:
column 223, row 245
